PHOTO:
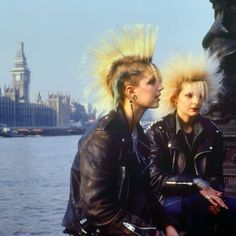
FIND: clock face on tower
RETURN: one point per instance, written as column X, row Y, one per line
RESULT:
column 17, row 77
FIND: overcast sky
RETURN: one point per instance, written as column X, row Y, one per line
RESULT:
column 56, row 32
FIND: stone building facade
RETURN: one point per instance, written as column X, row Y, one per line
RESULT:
column 61, row 105
column 16, row 109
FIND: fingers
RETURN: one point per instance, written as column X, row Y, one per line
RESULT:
column 220, row 202
column 216, row 201
column 218, row 193
column 214, row 210
column 211, row 200
column 170, row 231
column 214, row 197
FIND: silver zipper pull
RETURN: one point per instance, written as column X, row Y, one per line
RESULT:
column 129, row 226
column 123, row 172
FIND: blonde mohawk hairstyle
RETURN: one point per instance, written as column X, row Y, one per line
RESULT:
column 124, row 45
column 188, row 68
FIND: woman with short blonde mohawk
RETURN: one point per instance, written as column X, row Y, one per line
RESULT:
column 110, row 192
column 187, row 153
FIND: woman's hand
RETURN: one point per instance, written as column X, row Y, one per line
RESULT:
column 213, row 196
column 171, row 231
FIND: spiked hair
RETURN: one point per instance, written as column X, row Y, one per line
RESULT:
column 118, row 58
column 201, row 71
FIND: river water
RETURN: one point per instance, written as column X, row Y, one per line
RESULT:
column 34, row 184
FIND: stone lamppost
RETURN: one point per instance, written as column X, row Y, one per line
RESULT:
column 221, row 41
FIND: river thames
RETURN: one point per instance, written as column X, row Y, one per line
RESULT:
column 34, row 184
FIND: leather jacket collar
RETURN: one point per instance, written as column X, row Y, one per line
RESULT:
column 124, row 127
column 197, row 127
column 201, row 124
column 177, row 140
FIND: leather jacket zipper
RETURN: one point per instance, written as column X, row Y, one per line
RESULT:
column 173, row 148
column 123, row 175
column 137, row 230
column 196, row 156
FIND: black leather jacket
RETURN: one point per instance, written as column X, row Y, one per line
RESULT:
column 109, row 186
column 178, row 168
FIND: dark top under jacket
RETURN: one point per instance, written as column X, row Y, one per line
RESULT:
column 110, row 185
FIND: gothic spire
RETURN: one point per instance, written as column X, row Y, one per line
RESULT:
column 20, row 61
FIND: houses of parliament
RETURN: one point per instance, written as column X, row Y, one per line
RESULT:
column 16, row 110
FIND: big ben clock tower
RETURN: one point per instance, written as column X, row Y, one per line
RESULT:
column 21, row 75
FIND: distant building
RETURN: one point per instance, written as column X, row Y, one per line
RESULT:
column 21, row 76
column 17, row 114
column 61, row 104
column 78, row 113
column 16, row 109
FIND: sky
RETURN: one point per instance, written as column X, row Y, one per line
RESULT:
column 57, row 32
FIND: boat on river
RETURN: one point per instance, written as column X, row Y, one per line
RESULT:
column 9, row 132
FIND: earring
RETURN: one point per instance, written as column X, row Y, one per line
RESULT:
column 134, row 97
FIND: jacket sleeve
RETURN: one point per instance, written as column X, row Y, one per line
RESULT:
column 99, row 186
column 163, row 181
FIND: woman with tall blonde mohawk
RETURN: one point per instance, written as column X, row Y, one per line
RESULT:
column 110, row 193
column 186, row 160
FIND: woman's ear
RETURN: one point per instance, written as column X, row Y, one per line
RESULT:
column 129, row 91
column 174, row 100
